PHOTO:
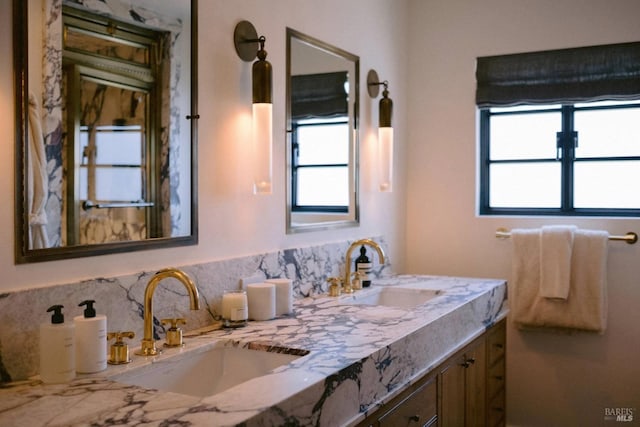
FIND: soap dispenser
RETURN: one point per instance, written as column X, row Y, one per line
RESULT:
column 91, row 340
column 57, row 349
column 363, row 265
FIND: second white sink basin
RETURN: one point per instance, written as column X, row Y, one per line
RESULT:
column 208, row 371
column 392, row 297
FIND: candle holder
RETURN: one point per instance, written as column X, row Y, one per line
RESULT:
column 235, row 311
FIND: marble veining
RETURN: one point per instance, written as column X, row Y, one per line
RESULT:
column 359, row 358
column 122, row 298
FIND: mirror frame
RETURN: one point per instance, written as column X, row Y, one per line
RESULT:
column 325, row 224
column 21, row 93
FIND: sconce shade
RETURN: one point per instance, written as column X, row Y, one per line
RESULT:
column 385, row 158
column 262, row 143
column 249, row 46
column 385, row 131
column 262, row 122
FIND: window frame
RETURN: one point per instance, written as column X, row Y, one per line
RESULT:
column 567, row 162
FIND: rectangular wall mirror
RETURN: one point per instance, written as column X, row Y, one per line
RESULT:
column 322, row 135
column 106, row 126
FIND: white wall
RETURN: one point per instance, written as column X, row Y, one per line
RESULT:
column 233, row 222
column 553, row 380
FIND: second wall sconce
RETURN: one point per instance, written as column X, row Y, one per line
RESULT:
column 249, row 47
column 385, row 130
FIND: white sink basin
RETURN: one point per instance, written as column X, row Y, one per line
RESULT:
column 392, row 297
column 207, row 371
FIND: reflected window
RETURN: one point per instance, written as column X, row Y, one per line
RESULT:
column 320, row 142
column 115, row 79
column 321, row 165
column 112, row 167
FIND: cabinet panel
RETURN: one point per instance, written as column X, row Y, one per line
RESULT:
column 496, row 342
column 476, row 389
column 495, row 378
column 452, row 391
column 496, row 409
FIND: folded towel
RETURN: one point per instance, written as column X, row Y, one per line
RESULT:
column 586, row 305
column 556, row 243
column 523, row 288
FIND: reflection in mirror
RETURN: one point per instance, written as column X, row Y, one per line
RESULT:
column 322, row 145
column 106, row 151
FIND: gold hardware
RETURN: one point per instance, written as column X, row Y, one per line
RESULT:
column 174, row 333
column 148, row 344
column 334, row 286
column 630, row 237
column 356, row 282
column 119, row 350
column 347, row 267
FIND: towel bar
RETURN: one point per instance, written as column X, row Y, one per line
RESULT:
column 630, row 237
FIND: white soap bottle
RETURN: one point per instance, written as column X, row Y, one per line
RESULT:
column 91, row 340
column 57, row 349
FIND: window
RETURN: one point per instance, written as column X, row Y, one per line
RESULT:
column 573, row 159
column 559, row 132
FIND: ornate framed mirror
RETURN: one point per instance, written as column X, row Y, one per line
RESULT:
column 106, row 126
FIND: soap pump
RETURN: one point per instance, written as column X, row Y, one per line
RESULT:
column 364, row 266
column 91, row 340
column 57, row 349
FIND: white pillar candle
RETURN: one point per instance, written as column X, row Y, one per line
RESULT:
column 262, row 301
column 234, row 306
column 284, row 295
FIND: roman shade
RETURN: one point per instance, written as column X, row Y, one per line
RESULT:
column 605, row 72
column 319, row 95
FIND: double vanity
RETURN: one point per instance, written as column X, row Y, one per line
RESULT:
column 382, row 354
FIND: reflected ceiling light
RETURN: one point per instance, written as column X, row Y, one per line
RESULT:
column 249, row 47
column 385, row 131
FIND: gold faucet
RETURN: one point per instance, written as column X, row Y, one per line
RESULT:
column 347, row 275
column 148, row 344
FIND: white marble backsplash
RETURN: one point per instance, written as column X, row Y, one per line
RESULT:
column 122, row 298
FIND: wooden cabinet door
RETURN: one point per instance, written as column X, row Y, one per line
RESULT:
column 476, row 391
column 452, row 393
column 463, row 388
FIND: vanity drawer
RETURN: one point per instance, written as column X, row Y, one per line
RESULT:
column 496, row 343
column 418, row 409
column 496, row 410
column 496, row 378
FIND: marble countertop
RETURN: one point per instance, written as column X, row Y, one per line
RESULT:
column 359, row 357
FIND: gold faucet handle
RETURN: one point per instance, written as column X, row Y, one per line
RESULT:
column 334, row 286
column 119, row 350
column 174, row 333
column 356, row 282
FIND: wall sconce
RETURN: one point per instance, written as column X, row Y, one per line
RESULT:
column 385, row 131
column 248, row 47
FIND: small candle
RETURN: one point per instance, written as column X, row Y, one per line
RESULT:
column 262, row 301
column 284, row 295
column 234, row 308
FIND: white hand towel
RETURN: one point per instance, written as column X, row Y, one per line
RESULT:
column 587, row 308
column 525, row 275
column 556, row 243
column 38, row 180
column 586, row 305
